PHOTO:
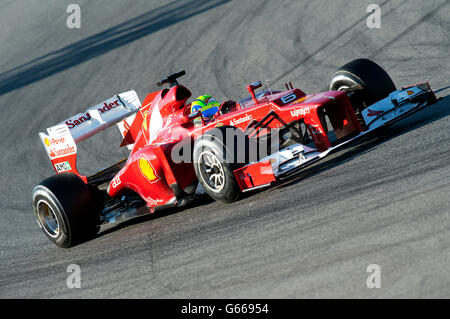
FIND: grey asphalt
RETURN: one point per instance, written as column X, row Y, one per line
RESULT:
column 385, row 202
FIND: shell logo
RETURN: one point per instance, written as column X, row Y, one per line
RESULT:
column 47, row 142
column 147, row 170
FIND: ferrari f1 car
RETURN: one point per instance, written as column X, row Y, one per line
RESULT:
column 248, row 144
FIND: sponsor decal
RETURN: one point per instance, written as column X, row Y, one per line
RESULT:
column 373, row 113
column 62, row 151
column 63, row 167
column 116, row 181
column 147, row 170
column 58, row 143
column 72, row 123
column 54, row 141
column 410, row 92
column 58, row 147
column 153, row 202
column 300, row 112
column 246, row 118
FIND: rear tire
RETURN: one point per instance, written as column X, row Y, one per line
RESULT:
column 375, row 82
column 67, row 209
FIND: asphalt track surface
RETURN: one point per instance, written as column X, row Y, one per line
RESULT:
column 384, row 202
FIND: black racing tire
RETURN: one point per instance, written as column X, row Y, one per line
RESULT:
column 375, row 82
column 215, row 152
column 67, row 209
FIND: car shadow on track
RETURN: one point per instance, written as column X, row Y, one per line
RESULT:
column 103, row 42
column 428, row 115
column 201, row 200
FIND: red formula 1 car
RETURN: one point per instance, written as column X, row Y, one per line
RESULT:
column 248, row 144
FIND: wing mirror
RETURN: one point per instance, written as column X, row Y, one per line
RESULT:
column 251, row 89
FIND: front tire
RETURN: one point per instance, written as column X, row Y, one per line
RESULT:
column 67, row 210
column 374, row 82
column 215, row 160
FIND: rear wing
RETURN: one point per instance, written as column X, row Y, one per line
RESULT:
column 60, row 140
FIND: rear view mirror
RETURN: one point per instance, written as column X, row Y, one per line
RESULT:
column 251, row 89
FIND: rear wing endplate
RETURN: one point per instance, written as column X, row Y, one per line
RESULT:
column 60, row 140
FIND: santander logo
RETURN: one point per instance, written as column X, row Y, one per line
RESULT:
column 57, row 148
column 63, row 151
column 71, row 123
column 246, row 118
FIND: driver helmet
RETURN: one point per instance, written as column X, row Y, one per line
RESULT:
column 207, row 105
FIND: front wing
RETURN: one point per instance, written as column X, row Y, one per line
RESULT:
column 290, row 160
